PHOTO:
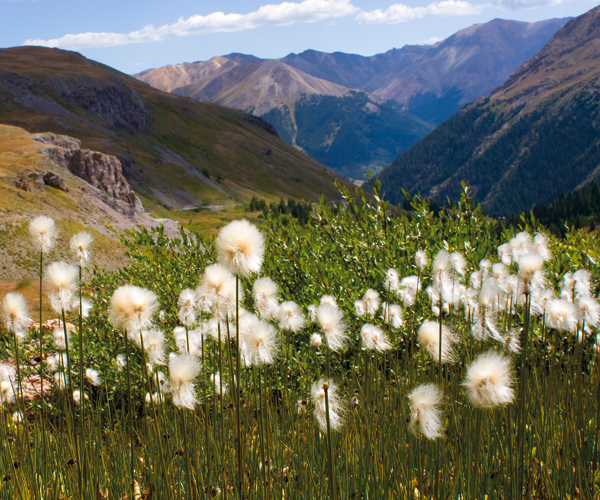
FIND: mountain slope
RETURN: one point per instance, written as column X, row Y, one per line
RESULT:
column 174, row 151
column 536, row 137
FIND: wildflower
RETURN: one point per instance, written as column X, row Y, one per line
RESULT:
column 14, row 314
column 429, row 337
column 505, row 254
column 335, row 405
column 240, row 247
column 484, row 317
column 58, row 336
column 86, row 306
column 291, row 317
column 181, row 340
column 520, row 245
column 392, row 280
column 265, row 292
column 121, row 361
column 539, row 301
column 458, row 263
column 561, row 315
column 43, row 230
column 80, row 246
column 567, row 285
column 530, row 276
column 582, row 285
column 154, row 343
column 359, row 306
column 512, row 342
column 475, row 280
column 426, row 414
column 316, row 340
column 184, row 368
column 485, row 267
column 217, row 291
column 328, row 300
column 489, row 381
column 374, row 339
column 301, row 406
column 93, row 377
column 540, row 246
column 7, row 372
column 62, row 282
column 331, row 322
column 132, row 309
column 392, row 315
column 409, row 287
column 60, row 380
column 77, row 396
column 262, row 343
column 421, row 259
column 156, row 398
column 7, row 392
column 187, row 312
column 371, row 300
column 588, row 311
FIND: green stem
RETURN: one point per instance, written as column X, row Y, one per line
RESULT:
column 329, row 446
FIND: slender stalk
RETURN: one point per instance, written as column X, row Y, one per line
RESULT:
column 130, row 405
column 329, row 445
column 240, row 448
column 81, row 393
column 43, row 400
column 523, row 398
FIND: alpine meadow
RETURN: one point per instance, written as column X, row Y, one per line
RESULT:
column 313, row 276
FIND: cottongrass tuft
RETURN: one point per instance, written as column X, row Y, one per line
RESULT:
column 561, row 315
column 58, row 337
column 62, row 283
column 392, row 280
column 588, row 311
column 14, row 314
column 184, row 368
column 392, row 315
column 371, row 300
column 336, row 408
column 80, row 245
column 409, row 287
column 264, row 292
column 359, row 307
column 120, row 361
column 316, row 340
column 187, row 309
column 77, row 396
column 421, row 259
column 328, row 300
column 489, row 380
column 426, row 412
column 93, row 377
column 374, row 339
column 43, row 231
column 154, row 343
column 291, row 317
column 429, row 337
column 262, row 343
column 7, row 392
column 331, row 322
column 240, row 248
column 132, row 308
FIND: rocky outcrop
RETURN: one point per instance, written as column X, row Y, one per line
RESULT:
column 100, row 170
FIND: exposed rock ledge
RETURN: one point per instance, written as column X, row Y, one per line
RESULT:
column 102, row 171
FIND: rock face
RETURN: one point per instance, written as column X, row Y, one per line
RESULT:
column 100, row 170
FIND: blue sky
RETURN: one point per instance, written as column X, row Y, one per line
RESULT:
column 133, row 35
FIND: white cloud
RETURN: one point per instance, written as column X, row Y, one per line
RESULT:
column 400, row 13
column 524, row 4
column 283, row 14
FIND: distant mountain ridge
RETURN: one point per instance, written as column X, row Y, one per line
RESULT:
column 404, row 90
column 535, row 138
column 174, row 151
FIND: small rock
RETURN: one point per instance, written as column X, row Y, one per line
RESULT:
column 23, row 183
column 37, row 177
column 56, row 181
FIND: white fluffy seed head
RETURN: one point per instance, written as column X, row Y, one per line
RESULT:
column 426, row 413
column 505, row 254
column 588, row 310
column 489, row 381
column 43, row 231
column 316, row 340
column 458, row 263
column 291, row 317
column 409, row 287
column 529, row 264
column 14, row 313
column 184, row 368
column 62, row 284
column 187, row 307
column 336, row 408
column 374, row 339
column 371, row 301
column 154, row 344
column 58, row 336
column 120, row 361
column 7, row 392
column 429, row 337
column 263, row 343
column 132, row 308
column 328, row 300
column 421, row 259
column 582, row 282
column 392, row 315
column 392, row 280
column 265, row 293
column 331, row 322
column 541, row 246
column 359, row 307
column 80, row 246
column 240, row 248
column 217, row 292
column 561, row 315
column 93, row 377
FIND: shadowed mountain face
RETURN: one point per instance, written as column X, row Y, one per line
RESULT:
column 174, row 151
column 536, row 137
column 405, row 91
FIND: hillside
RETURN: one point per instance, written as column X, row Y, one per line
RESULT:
column 534, row 138
column 174, row 151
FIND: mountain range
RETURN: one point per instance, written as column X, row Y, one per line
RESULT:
column 355, row 113
column 535, row 137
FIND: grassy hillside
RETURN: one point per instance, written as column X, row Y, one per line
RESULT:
column 175, row 151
